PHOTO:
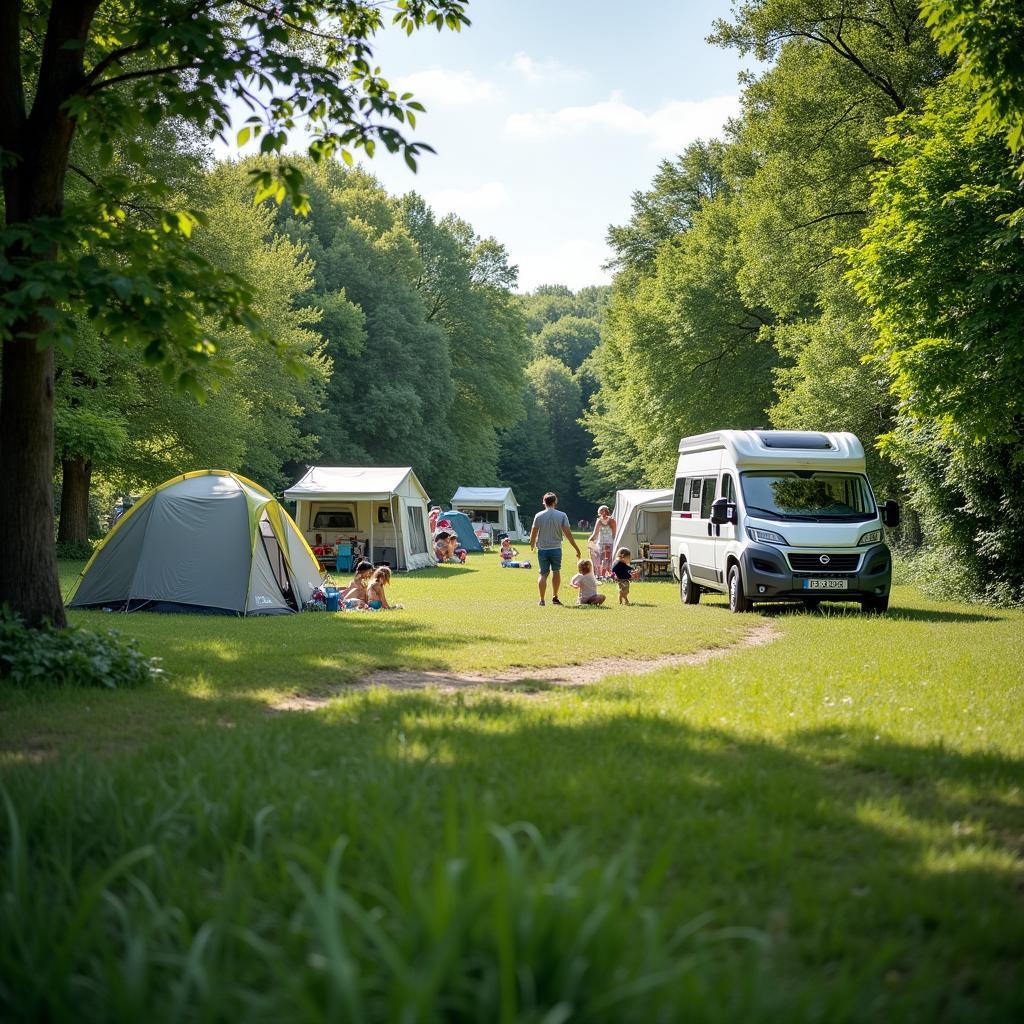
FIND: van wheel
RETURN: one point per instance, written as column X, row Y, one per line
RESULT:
column 875, row 604
column 689, row 592
column 738, row 602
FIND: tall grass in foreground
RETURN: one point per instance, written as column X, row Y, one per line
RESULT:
column 493, row 924
column 823, row 829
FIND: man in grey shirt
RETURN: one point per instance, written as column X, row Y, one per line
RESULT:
column 549, row 527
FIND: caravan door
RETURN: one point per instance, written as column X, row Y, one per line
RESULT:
column 725, row 533
column 702, row 531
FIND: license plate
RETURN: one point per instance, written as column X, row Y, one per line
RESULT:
column 825, row 584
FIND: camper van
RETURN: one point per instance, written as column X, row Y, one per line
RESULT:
column 779, row 515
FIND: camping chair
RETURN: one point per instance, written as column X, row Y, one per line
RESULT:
column 343, row 557
column 657, row 560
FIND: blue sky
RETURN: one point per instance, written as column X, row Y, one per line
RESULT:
column 547, row 114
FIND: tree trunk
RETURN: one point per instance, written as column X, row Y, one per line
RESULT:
column 74, row 501
column 36, row 146
column 28, row 561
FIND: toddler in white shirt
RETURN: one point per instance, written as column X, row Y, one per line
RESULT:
column 586, row 583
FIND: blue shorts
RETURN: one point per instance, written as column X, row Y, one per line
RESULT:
column 549, row 560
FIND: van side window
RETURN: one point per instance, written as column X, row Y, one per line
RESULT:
column 679, row 500
column 728, row 487
column 707, row 497
column 694, row 504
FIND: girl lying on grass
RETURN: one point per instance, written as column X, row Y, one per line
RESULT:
column 586, row 583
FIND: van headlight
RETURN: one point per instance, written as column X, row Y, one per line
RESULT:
column 768, row 537
column 871, row 537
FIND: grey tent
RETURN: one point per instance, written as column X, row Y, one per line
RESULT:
column 209, row 541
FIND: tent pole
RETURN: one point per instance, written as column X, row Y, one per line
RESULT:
column 395, row 524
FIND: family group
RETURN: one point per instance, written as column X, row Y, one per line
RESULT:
column 551, row 527
column 446, row 541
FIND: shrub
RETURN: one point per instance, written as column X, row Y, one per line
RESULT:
column 73, row 550
column 70, row 657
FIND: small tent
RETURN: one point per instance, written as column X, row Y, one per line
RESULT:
column 642, row 517
column 209, row 541
column 384, row 508
column 460, row 525
column 496, row 506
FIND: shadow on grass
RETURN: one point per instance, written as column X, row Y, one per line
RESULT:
column 843, row 610
column 882, row 872
column 441, row 571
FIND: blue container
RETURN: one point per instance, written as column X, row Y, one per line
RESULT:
column 333, row 595
column 343, row 558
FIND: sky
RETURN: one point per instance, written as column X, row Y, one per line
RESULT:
column 548, row 114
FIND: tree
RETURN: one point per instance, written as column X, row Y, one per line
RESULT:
column 468, row 283
column 945, row 281
column 104, row 396
column 391, row 387
column 987, row 39
column 666, row 210
column 569, row 339
column 73, row 73
column 682, row 350
column 527, row 461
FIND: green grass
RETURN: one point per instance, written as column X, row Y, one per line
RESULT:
column 827, row 828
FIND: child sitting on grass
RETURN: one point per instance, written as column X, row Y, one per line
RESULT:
column 375, row 596
column 509, row 556
column 355, row 595
column 586, row 583
column 623, row 573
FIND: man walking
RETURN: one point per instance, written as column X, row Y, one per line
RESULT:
column 549, row 527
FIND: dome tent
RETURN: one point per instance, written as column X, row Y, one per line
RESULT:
column 208, row 541
column 460, row 525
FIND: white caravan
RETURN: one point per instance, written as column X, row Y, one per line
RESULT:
column 779, row 515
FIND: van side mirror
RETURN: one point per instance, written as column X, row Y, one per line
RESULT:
column 890, row 512
column 723, row 511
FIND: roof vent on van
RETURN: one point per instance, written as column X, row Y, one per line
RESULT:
column 802, row 440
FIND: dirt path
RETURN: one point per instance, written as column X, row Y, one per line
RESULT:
column 531, row 680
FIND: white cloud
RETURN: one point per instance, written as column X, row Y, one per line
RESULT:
column 447, row 88
column 543, row 70
column 576, row 262
column 468, row 203
column 669, row 128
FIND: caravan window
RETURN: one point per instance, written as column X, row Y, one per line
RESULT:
column 512, row 522
column 707, row 497
column 334, row 519
column 417, row 533
column 482, row 515
column 679, row 500
column 384, row 514
column 702, row 494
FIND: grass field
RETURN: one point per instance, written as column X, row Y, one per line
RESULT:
column 826, row 828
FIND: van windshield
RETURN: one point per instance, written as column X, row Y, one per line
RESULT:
column 807, row 494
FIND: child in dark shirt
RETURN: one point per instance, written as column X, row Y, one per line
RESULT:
column 623, row 573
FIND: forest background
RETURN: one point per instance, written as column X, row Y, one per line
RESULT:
column 848, row 255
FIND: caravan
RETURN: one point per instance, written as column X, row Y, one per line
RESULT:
column 776, row 515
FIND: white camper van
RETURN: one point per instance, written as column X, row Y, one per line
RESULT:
column 779, row 515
